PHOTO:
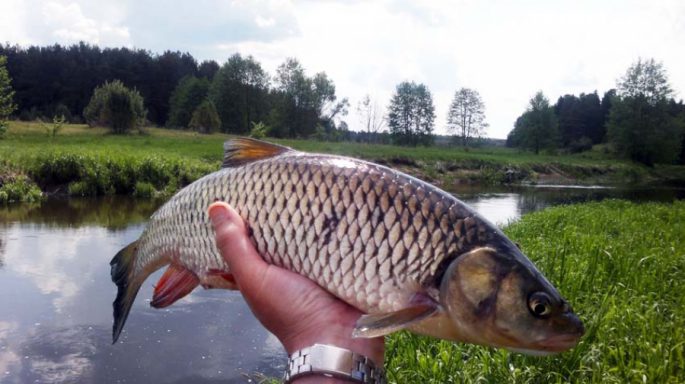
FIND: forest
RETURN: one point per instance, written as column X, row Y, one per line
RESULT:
column 639, row 120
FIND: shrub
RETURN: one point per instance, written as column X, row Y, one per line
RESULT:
column 81, row 189
column 116, row 106
column 259, row 130
column 89, row 175
column 144, row 190
column 20, row 190
column 205, row 118
column 57, row 124
column 580, row 145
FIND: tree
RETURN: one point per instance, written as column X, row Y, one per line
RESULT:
column 116, row 106
column 411, row 114
column 205, row 118
column 536, row 129
column 645, row 79
column 208, row 69
column 301, row 104
column 580, row 121
column 189, row 93
column 45, row 77
column 466, row 116
column 7, row 106
column 607, row 101
column 640, row 126
column 239, row 91
column 370, row 116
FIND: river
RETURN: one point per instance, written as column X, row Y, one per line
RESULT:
column 56, row 295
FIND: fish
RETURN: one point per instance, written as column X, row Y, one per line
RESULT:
column 404, row 252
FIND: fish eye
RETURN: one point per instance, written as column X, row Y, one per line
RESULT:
column 540, row 305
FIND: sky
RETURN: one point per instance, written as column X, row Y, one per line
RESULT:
column 506, row 50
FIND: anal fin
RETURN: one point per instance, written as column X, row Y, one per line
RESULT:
column 381, row 324
column 176, row 282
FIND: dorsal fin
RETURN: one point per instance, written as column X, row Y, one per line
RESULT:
column 244, row 150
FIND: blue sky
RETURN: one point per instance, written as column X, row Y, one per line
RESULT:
column 506, row 50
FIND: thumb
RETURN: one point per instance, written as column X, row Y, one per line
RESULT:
column 246, row 265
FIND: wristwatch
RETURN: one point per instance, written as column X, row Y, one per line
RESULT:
column 331, row 361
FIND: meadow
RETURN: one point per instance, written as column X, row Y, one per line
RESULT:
column 622, row 267
column 82, row 161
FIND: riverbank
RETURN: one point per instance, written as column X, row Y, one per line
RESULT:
column 82, row 161
column 622, row 267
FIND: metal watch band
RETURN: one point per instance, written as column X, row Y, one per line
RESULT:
column 331, row 361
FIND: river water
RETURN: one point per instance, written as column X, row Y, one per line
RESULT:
column 56, row 295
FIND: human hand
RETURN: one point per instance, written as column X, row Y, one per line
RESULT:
column 292, row 307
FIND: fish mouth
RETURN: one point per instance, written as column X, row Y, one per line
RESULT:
column 559, row 343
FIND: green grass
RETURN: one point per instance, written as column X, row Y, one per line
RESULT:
column 27, row 146
column 621, row 265
column 89, row 162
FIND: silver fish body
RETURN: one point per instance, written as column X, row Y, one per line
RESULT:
column 360, row 230
column 372, row 236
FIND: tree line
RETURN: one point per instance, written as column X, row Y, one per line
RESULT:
column 639, row 120
column 81, row 82
column 56, row 80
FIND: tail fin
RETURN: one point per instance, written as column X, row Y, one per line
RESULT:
column 127, row 284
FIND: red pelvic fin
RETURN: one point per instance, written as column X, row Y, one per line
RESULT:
column 218, row 278
column 176, row 282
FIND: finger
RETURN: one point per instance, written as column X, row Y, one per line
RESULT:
column 246, row 265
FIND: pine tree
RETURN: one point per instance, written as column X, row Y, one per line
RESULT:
column 7, row 106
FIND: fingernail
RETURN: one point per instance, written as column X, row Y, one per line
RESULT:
column 218, row 213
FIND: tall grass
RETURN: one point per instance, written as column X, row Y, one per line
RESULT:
column 621, row 265
column 482, row 165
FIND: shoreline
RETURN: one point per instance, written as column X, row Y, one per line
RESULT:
column 153, row 177
column 84, row 161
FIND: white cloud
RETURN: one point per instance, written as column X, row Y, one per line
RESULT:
column 68, row 24
column 505, row 50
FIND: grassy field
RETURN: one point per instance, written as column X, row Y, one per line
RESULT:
column 621, row 265
column 85, row 161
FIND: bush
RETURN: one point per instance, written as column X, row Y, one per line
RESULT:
column 144, row 190
column 88, row 175
column 20, row 190
column 57, row 124
column 580, row 145
column 81, row 189
column 205, row 118
column 259, row 130
column 116, row 106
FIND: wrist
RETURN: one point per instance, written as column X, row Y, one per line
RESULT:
column 339, row 334
column 325, row 361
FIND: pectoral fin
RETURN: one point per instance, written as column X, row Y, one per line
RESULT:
column 380, row 324
column 176, row 282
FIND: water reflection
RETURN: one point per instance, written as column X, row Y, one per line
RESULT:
column 111, row 212
column 2, row 247
column 55, row 316
column 56, row 294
